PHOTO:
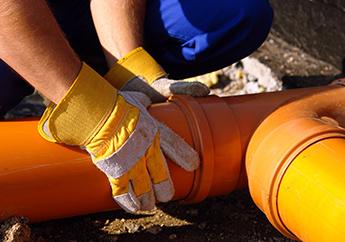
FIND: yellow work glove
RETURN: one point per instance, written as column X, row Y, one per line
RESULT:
column 121, row 137
column 138, row 71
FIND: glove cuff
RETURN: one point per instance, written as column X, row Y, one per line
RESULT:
column 81, row 112
column 136, row 63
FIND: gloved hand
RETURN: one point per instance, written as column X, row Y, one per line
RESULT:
column 121, row 137
column 143, row 74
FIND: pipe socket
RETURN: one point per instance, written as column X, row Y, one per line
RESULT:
column 295, row 165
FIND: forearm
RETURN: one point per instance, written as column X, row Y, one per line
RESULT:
column 119, row 24
column 34, row 46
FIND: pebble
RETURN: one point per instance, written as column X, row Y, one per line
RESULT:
column 202, row 225
column 132, row 228
column 290, row 59
column 97, row 222
column 17, row 232
column 264, row 75
column 172, row 236
column 154, row 229
column 251, row 87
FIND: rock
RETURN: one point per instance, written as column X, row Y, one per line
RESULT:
column 263, row 74
column 172, row 236
column 132, row 228
column 154, row 229
column 315, row 26
column 15, row 230
column 30, row 106
column 202, row 225
column 252, row 87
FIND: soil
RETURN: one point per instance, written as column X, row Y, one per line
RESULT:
column 229, row 218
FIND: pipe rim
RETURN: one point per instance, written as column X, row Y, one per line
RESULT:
column 203, row 144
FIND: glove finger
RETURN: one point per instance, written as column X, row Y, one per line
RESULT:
column 168, row 87
column 141, row 182
column 124, row 195
column 139, row 85
column 159, row 172
column 140, row 97
column 195, row 89
column 162, row 86
column 177, row 149
column 131, row 185
column 164, row 190
column 147, row 200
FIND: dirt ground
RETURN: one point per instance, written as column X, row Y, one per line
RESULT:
column 229, row 218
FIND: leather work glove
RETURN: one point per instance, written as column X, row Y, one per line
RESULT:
column 122, row 138
column 138, row 71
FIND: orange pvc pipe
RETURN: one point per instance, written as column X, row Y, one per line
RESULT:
column 295, row 164
column 43, row 181
column 312, row 193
